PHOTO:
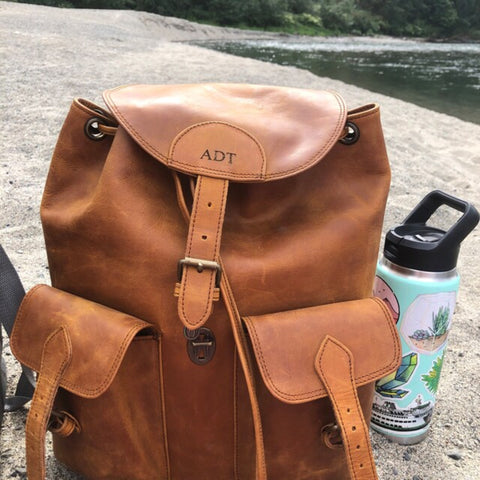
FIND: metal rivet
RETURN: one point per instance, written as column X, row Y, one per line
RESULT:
column 92, row 130
column 352, row 135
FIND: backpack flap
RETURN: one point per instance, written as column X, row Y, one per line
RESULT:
column 245, row 133
column 286, row 345
column 99, row 337
column 307, row 354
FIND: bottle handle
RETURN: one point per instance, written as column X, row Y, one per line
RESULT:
column 435, row 199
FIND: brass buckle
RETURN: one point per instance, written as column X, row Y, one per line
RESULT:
column 201, row 265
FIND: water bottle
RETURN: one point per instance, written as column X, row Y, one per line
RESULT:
column 418, row 280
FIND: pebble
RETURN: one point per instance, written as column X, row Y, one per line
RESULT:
column 20, row 472
column 455, row 455
column 406, row 456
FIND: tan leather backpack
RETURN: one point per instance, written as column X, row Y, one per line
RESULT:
column 212, row 250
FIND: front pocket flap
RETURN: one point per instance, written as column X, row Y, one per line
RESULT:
column 99, row 335
column 286, row 344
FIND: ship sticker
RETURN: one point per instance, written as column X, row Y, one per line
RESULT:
column 385, row 293
column 427, row 321
column 388, row 386
column 433, row 377
column 416, row 416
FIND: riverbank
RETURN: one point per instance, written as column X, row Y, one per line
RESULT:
column 53, row 55
column 443, row 77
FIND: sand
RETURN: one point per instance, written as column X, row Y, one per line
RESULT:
column 51, row 55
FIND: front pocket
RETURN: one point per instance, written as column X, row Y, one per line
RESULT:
column 122, row 430
column 297, row 372
column 112, row 387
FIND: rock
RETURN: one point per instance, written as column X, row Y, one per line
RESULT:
column 455, row 454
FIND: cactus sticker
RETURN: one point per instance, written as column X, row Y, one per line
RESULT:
column 427, row 322
column 436, row 334
column 433, row 377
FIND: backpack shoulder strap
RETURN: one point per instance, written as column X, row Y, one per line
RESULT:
column 11, row 295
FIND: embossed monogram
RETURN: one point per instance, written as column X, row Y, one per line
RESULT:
column 218, row 156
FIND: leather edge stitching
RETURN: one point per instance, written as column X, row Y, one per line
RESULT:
column 321, row 392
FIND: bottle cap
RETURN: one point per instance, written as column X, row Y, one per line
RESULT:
column 416, row 245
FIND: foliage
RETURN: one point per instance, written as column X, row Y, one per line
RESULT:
column 439, row 324
column 432, row 379
column 422, row 18
column 440, row 321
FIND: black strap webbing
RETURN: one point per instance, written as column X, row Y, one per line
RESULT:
column 11, row 295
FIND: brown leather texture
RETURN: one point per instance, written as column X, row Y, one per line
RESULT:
column 335, row 365
column 287, row 370
column 197, row 288
column 91, row 370
column 259, row 132
column 56, row 358
column 301, row 229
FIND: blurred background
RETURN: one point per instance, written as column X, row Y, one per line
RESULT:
column 423, row 51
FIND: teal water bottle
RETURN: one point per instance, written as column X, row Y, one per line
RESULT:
column 418, row 280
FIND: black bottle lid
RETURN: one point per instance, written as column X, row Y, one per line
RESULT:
column 416, row 245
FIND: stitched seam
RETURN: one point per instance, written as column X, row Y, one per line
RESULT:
column 80, row 106
column 20, row 319
column 205, row 313
column 50, row 395
column 235, row 415
column 227, row 175
column 194, row 216
column 393, row 331
column 212, row 274
column 159, row 363
column 352, row 393
column 118, row 358
column 189, row 250
column 300, row 396
column 305, row 166
column 313, row 394
column 337, row 410
column 247, row 370
column 319, row 155
column 372, row 111
column 120, row 353
column 172, row 161
column 221, row 217
column 132, row 129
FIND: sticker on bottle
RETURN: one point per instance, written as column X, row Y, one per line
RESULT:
column 382, row 290
column 427, row 321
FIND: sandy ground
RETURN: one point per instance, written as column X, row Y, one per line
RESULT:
column 51, row 55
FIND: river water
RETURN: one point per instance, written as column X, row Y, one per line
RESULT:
column 444, row 77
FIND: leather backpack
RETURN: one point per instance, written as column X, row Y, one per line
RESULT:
column 212, row 250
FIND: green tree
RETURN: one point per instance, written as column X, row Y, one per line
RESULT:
column 264, row 13
column 443, row 15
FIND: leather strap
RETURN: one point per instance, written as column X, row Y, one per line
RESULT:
column 334, row 365
column 246, row 362
column 11, row 296
column 56, row 356
column 241, row 343
column 200, row 270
